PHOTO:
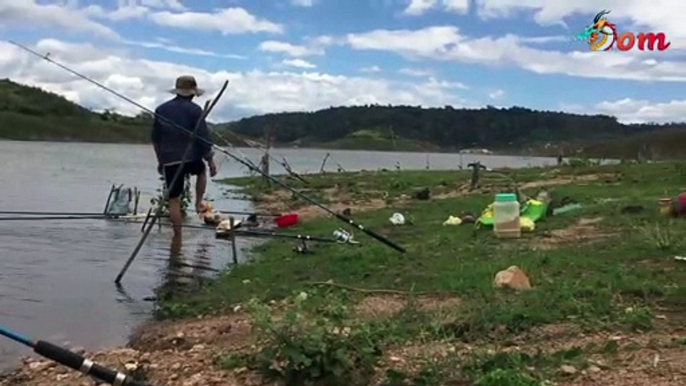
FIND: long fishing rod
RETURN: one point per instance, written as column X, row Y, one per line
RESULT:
column 240, row 232
column 47, row 218
column 72, row 360
column 249, row 233
column 244, row 161
column 38, row 213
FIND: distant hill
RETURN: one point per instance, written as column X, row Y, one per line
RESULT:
column 444, row 128
column 29, row 113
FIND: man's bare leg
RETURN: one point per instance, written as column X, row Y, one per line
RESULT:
column 200, row 186
column 175, row 215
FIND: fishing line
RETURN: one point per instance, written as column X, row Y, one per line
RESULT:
column 72, row 360
column 245, row 161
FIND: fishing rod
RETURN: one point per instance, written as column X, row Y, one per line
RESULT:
column 72, row 360
column 284, row 235
column 248, row 233
column 47, row 218
column 37, row 213
column 244, row 160
column 259, row 214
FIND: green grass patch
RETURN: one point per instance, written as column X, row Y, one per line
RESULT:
column 615, row 282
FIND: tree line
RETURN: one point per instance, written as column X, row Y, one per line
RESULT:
column 447, row 127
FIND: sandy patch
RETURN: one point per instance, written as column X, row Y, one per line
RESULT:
column 584, row 231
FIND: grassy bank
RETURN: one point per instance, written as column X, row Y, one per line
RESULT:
column 432, row 315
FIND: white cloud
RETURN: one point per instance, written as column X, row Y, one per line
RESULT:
column 655, row 15
column 28, row 12
column 171, row 4
column 459, row 6
column 497, row 94
column 252, row 92
column 414, row 72
column 167, row 46
column 300, row 63
column 302, row 3
column 227, row 21
column 289, row 49
column 435, row 83
column 419, row 7
column 370, row 69
column 629, row 110
column 445, row 43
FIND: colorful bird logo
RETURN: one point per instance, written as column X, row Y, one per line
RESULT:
column 601, row 35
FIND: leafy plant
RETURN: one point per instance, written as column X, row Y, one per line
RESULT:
column 186, row 196
column 305, row 345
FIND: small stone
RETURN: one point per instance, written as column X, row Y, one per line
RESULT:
column 61, row 377
column 237, row 308
column 176, row 366
column 197, row 348
column 180, row 334
column 246, row 281
column 395, row 359
column 40, row 366
column 174, row 377
column 567, row 369
column 513, row 277
column 594, row 369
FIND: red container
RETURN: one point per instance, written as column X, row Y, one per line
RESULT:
column 286, row 220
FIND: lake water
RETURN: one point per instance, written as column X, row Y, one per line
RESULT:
column 57, row 277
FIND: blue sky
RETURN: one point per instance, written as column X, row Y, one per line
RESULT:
column 286, row 55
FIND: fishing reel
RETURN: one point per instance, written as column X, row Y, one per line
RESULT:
column 344, row 237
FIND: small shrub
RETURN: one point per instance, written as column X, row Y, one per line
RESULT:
column 638, row 319
column 660, row 236
column 320, row 346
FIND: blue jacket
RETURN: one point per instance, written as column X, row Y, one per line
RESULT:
column 170, row 142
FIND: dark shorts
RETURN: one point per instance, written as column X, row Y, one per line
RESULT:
column 189, row 168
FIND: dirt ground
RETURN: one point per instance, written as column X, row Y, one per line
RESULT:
column 583, row 232
column 182, row 353
column 338, row 200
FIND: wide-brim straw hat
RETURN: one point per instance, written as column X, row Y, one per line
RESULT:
column 187, row 86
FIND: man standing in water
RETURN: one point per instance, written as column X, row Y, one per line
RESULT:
column 170, row 145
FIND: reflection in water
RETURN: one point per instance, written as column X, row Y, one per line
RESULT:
column 184, row 275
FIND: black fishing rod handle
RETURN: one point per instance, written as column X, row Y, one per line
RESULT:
column 83, row 365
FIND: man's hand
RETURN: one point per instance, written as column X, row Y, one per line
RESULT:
column 213, row 168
